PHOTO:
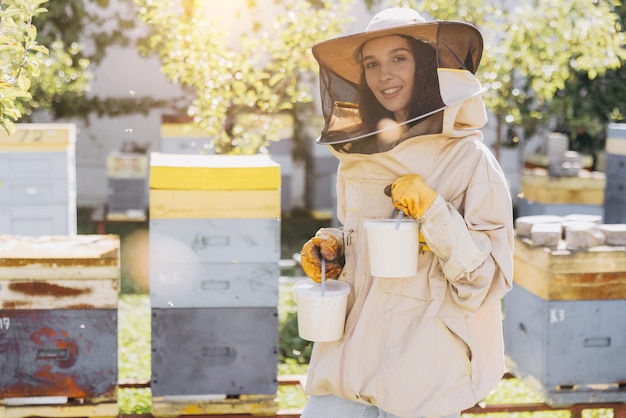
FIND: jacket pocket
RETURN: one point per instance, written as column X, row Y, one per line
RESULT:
column 422, row 364
column 367, row 196
column 459, row 341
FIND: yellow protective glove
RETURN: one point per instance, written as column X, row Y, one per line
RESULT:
column 327, row 244
column 411, row 195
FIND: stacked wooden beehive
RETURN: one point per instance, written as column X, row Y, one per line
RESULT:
column 127, row 189
column 615, row 166
column 565, row 319
column 58, row 325
column 38, row 180
column 214, row 253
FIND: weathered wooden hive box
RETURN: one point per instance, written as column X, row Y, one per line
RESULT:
column 38, row 180
column 565, row 321
column 58, row 317
column 214, row 253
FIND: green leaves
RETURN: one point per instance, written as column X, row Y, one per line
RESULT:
column 240, row 87
column 534, row 49
column 19, row 57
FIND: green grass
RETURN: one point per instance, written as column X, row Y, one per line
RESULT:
column 134, row 359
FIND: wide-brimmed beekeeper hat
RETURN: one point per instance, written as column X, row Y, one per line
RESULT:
column 458, row 46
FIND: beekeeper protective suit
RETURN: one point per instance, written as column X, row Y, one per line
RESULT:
column 430, row 344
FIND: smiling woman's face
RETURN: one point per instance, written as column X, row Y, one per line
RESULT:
column 389, row 67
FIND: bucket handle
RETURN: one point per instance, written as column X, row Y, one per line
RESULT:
column 323, row 276
column 399, row 214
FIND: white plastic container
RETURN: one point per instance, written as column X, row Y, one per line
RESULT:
column 393, row 246
column 321, row 317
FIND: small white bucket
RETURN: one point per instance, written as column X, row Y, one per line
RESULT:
column 321, row 317
column 393, row 246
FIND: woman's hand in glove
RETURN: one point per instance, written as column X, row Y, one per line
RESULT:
column 327, row 244
column 411, row 195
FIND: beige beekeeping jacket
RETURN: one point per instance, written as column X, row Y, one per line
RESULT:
column 428, row 345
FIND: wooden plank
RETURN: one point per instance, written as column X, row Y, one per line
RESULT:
column 536, row 407
column 103, row 410
column 558, row 274
column 242, row 404
column 59, row 250
column 59, row 257
column 481, row 408
column 579, row 190
column 214, row 204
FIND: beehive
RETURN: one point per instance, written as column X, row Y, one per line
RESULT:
column 127, row 179
column 565, row 322
column 58, row 316
column 214, row 253
column 38, row 180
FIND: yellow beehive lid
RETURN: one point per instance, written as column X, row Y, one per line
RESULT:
column 213, row 172
column 39, row 137
column 214, row 204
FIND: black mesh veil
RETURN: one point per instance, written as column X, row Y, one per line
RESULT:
column 457, row 46
column 341, row 113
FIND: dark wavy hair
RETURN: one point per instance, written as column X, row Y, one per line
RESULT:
column 426, row 96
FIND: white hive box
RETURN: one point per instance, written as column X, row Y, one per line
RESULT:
column 564, row 322
column 38, row 180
